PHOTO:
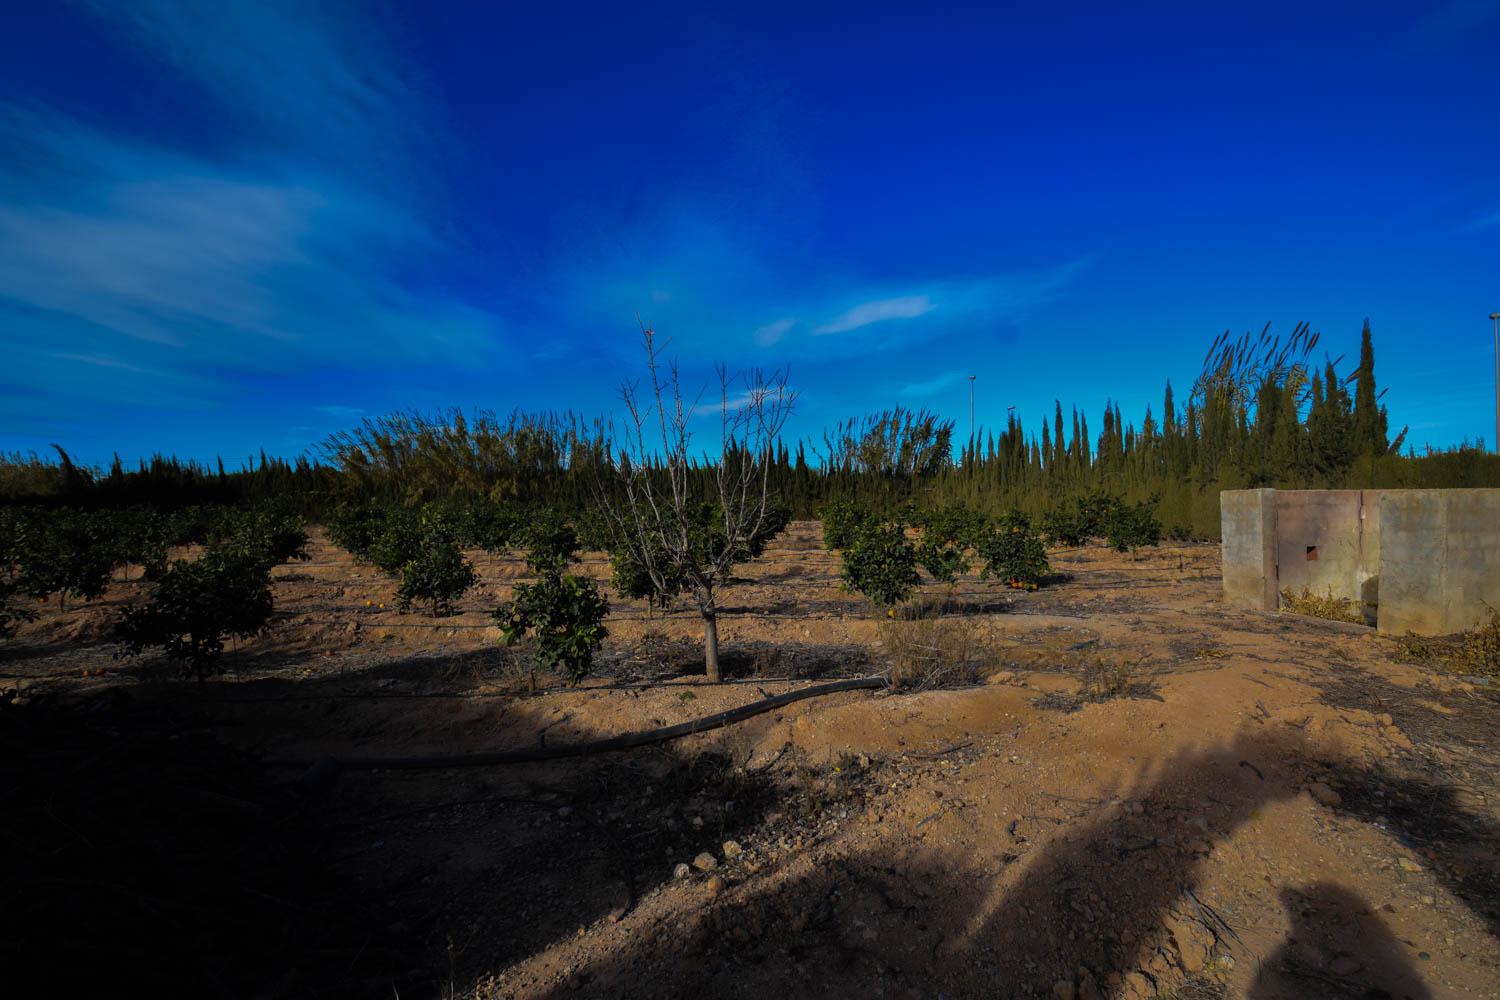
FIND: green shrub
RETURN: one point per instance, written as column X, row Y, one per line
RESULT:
column 12, row 611
column 594, row 531
column 263, row 533
column 842, row 522
column 1094, row 510
column 564, row 615
column 196, row 605
column 957, row 522
column 491, row 526
column 354, row 527
column 1078, row 519
column 401, row 538
column 439, row 575
column 775, row 521
column 1183, row 533
column 945, row 560
column 64, row 552
column 1063, row 525
column 881, row 564
column 1014, row 552
column 551, row 542
column 632, row 579
column 947, row 535
column 141, row 537
column 1132, row 525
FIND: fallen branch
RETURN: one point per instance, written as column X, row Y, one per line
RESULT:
column 626, row 741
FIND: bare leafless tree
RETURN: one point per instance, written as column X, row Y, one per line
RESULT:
column 686, row 524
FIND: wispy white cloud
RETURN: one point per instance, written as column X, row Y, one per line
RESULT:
column 802, row 311
column 893, row 318
column 713, row 404
column 246, row 269
column 284, row 72
column 99, row 361
column 772, row 333
column 877, row 311
column 932, row 386
column 283, row 247
column 335, row 410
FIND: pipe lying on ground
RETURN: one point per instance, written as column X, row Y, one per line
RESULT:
column 327, row 767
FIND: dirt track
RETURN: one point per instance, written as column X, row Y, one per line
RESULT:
column 1273, row 807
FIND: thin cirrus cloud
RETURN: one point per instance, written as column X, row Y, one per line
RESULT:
column 337, row 410
column 195, row 262
column 689, row 272
column 878, row 311
column 932, row 386
column 282, row 71
column 772, row 333
column 188, row 270
column 878, row 322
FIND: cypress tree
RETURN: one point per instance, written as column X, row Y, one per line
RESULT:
column 1057, row 434
column 1369, row 418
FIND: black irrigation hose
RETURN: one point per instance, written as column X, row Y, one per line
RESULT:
column 687, row 615
column 668, row 684
column 627, row 741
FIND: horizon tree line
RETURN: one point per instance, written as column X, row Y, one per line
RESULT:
column 1260, row 413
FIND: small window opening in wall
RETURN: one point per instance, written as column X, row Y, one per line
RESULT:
column 1312, row 553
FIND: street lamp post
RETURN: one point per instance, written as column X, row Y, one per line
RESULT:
column 1495, row 319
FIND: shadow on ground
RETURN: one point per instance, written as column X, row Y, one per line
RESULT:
column 1107, row 903
column 145, row 851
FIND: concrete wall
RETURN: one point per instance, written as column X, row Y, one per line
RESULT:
column 1425, row 561
column 1440, row 560
column 1248, row 519
column 1326, row 543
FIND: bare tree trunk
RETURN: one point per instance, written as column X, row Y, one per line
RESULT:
column 656, row 510
column 711, row 644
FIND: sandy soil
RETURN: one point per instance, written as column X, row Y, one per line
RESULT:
column 1260, row 806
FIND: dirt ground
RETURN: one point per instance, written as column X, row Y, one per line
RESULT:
column 1147, row 794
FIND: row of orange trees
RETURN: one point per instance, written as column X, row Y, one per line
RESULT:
column 880, row 556
column 561, row 613
column 196, row 602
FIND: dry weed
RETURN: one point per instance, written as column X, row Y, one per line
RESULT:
column 1474, row 653
column 1338, row 609
column 1104, row 680
column 935, row 651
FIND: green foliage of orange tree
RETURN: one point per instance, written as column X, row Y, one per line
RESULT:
column 562, row 613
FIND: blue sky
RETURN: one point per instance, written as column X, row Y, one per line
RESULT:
column 227, row 226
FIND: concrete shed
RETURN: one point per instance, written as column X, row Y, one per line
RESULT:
column 1423, row 561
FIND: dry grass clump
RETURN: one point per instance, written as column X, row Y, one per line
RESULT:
column 1105, row 679
column 1338, row 609
column 1472, row 653
column 935, row 651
